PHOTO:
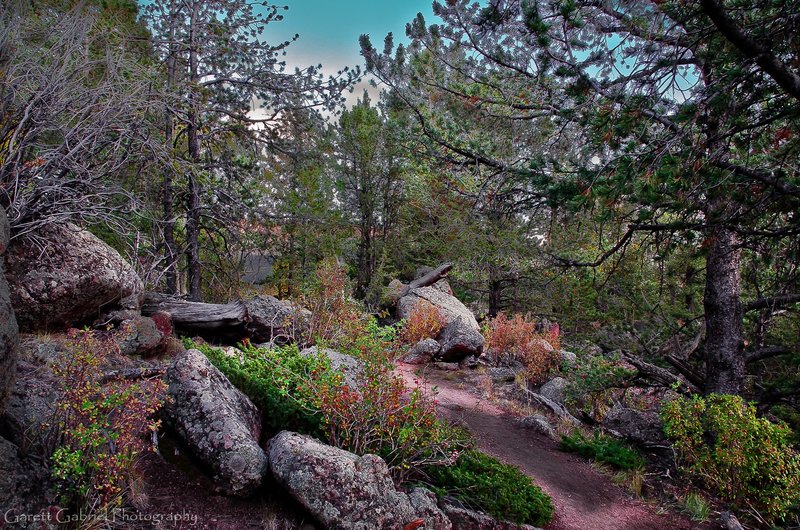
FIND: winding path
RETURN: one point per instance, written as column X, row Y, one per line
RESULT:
column 583, row 498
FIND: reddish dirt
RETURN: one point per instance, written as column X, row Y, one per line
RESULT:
column 584, row 499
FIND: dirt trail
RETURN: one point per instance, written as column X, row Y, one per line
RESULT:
column 584, row 499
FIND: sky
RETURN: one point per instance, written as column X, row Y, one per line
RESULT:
column 329, row 29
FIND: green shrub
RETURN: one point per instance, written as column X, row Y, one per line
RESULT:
column 602, row 449
column 274, row 379
column 747, row 460
column 502, row 491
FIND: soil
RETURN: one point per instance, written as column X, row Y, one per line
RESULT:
column 583, row 498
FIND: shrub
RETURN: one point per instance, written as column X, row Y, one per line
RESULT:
column 747, row 460
column 335, row 315
column 103, row 427
column 340, row 322
column 274, row 380
column 602, row 449
column 517, row 337
column 500, row 490
column 384, row 417
column 425, row 321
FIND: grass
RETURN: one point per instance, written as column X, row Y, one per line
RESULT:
column 696, row 506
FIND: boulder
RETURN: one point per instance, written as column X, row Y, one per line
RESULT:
column 218, row 423
column 28, row 421
column 643, row 428
column 465, row 519
column 422, row 352
column 25, row 492
column 554, row 389
column 461, row 335
column 344, row 491
column 8, row 322
column 276, row 321
column 444, row 286
column 538, row 423
column 568, row 359
column 350, row 367
column 501, row 374
column 66, row 276
column 144, row 335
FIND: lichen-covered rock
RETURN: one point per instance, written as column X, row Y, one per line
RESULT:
column 538, row 423
column 555, row 389
column 568, row 358
column 8, row 321
column 422, row 352
column 344, row 491
column 29, row 417
column 144, row 335
column 275, row 321
column 640, row 427
column 65, row 277
column 350, row 367
column 500, row 374
column 465, row 519
column 218, row 423
column 461, row 335
column 25, row 493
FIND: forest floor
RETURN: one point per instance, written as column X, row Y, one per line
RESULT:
column 583, row 497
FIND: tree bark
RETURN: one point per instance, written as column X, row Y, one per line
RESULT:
column 725, row 359
column 193, row 211
column 168, row 197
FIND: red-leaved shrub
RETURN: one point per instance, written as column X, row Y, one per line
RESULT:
column 102, row 427
column 516, row 337
column 425, row 321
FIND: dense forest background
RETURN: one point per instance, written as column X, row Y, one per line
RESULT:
column 628, row 170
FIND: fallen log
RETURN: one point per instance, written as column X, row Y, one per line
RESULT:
column 423, row 281
column 658, row 375
column 260, row 319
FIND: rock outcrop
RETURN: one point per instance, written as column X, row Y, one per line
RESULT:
column 219, row 424
column 344, row 491
column 8, row 321
column 66, row 276
column 461, row 336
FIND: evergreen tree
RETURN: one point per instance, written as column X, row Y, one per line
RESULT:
column 682, row 118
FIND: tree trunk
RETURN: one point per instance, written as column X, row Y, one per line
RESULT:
column 193, row 211
column 168, row 198
column 725, row 359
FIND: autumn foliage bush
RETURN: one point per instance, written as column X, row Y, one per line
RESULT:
column 425, row 321
column 747, row 460
column 517, row 337
column 383, row 416
column 102, row 427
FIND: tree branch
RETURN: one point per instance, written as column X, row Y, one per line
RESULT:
column 750, row 48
